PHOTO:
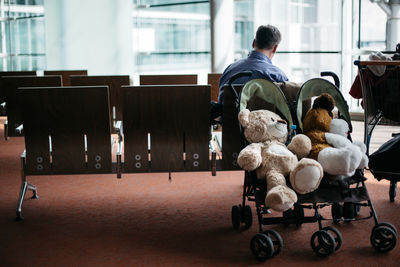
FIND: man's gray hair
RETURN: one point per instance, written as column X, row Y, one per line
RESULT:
column 267, row 36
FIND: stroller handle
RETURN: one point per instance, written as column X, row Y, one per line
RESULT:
column 333, row 75
column 237, row 76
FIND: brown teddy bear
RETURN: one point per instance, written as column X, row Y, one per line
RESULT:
column 272, row 160
column 337, row 155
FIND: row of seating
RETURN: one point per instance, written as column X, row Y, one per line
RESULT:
column 101, row 124
column 9, row 85
column 10, row 81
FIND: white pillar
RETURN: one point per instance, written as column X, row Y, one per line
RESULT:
column 222, row 34
column 393, row 24
column 93, row 34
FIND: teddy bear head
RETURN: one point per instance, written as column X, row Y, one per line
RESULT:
column 320, row 116
column 263, row 125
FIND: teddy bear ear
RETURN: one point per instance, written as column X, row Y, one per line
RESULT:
column 324, row 101
column 244, row 117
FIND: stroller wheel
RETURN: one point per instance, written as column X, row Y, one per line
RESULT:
column 392, row 190
column 236, row 211
column 276, row 240
column 383, row 238
column 336, row 235
column 391, row 226
column 337, row 212
column 322, row 243
column 262, row 247
column 298, row 213
column 348, row 211
column 247, row 216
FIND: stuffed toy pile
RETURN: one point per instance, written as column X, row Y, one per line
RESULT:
column 272, row 160
column 330, row 147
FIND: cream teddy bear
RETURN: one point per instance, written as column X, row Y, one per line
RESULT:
column 272, row 160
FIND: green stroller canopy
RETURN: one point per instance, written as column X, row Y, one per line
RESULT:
column 316, row 87
column 267, row 91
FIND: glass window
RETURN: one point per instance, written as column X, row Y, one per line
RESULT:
column 24, row 31
column 171, row 36
column 373, row 27
column 311, row 34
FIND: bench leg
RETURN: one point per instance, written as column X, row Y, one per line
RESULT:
column 6, row 131
column 24, row 187
column 22, row 193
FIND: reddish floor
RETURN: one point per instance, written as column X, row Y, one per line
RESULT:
column 145, row 220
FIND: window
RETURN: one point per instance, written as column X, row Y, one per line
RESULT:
column 171, row 36
column 23, row 35
column 311, row 34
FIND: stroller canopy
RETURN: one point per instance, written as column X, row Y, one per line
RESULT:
column 316, row 87
column 267, row 91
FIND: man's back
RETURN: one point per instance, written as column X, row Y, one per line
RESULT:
column 260, row 66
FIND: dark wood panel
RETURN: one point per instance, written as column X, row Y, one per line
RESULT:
column 11, row 83
column 167, row 133
column 196, row 127
column 230, row 131
column 65, row 74
column 136, row 126
column 71, row 113
column 168, row 79
column 34, row 109
column 12, row 73
column 213, row 80
column 170, row 114
column 114, row 84
column 18, row 73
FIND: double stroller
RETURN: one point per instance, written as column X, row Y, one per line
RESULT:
column 345, row 197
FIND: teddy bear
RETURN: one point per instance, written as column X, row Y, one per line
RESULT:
column 330, row 147
column 272, row 160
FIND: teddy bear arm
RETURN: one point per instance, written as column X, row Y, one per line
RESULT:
column 250, row 158
column 337, row 140
column 300, row 146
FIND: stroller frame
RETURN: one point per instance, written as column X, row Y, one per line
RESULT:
column 326, row 240
column 373, row 115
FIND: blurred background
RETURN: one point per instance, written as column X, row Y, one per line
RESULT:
column 195, row 37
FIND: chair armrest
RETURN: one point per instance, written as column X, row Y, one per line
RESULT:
column 118, row 126
column 118, row 129
column 19, row 129
column 2, row 107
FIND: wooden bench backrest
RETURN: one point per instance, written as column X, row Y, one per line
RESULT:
column 12, row 73
column 65, row 74
column 11, row 83
column 168, row 79
column 56, row 121
column 213, row 80
column 177, row 119
column 230, row 131
column 114, row 84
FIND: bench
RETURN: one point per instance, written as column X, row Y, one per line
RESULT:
column 69, row 134
column 3, row 111
column 9, row 85
column 168, row 79
column 65, row 74
column 114, row 83
column 213, row 80
column 64, row 140
column 175, row 118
